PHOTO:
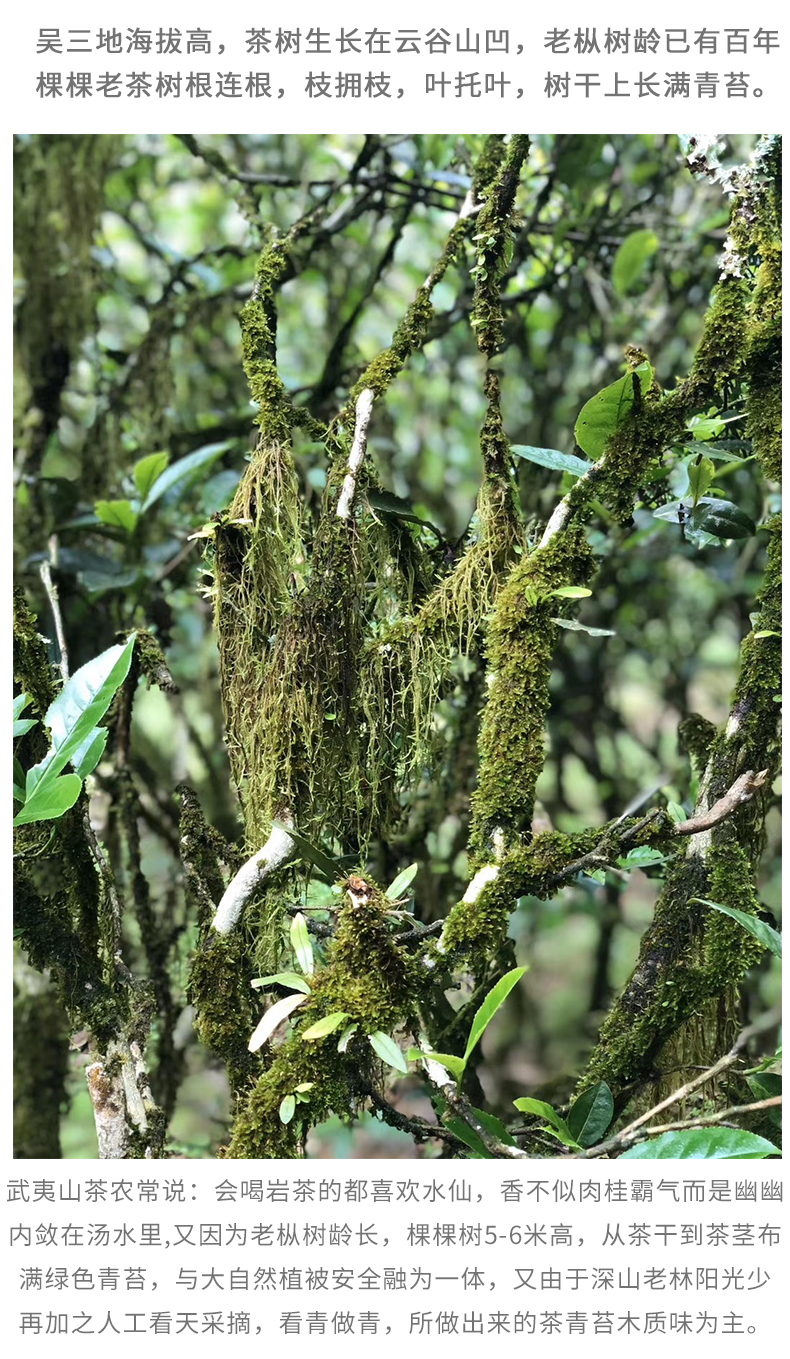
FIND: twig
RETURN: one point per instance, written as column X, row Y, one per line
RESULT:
column 419, row 1128
column 741, row 791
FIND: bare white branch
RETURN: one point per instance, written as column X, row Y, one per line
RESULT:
column 358, row 450
column 276, row 853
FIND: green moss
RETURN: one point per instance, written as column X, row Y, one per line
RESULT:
column 521, row 644
column 494, row 236
column 225, row 1008
column 695, row 737
column 764, row 358
column 719, row 358
column 376, row 984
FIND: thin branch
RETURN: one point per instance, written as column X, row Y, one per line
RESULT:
column 419, row 1128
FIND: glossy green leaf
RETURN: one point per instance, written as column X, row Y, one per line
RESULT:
column 398, row 886
column 641, row 857
column 51, row 799
column 325, row 1026
column 22, row 724
column 290, row 979
column 181, row 475
column 631, row 259
column 605, row 412
column 571, row 592
column 539, row 1107
column 496, row 997
column 552, row 458
column 87, row 755
column 590, row 1115
column 387, row 1049
column 300, row 943
column 117, row 514
column 702, row 1144
column 768, row 937
column 147, row 470
column 72, row 719
column 701, row 472
column 722, row 519
column 287, row 1108
column 456, row 1066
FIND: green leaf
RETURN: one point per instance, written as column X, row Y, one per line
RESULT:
column 387, row 1049
column 398, row 886
column 287, row 1108
column 590, row 1115
column 19, row 781
column 389, row 503
column 181, row 475
column 630, row 259
column 274, row 1016
column 571, row 592
column 345, row 1037
column 117, row 513
column 325, row 1026
column 329, row 868
column 147, row 470
column 641, row 857
column 539, row 1107
column 702, row 1144
column 574, row 626
column 72, row 718
column 767, row 1085
column 87, row 756
column 290, row 979
column 50, row 800
column 455, row 1065
column 605, row 412
column 471, row 1138
column 300, row 943
column 675, row 812
column 460, row 1129
column 22, row 724
column 496, row 997
column 722, row 519
column 701, row 472
column 705, row 427
column 304, row 1086
column 768, row 937
column 552, row 458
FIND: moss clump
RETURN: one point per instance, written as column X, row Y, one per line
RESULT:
column 494, row 237
column 764, row 358
column 377, row 984
column 225, row 1012
column 521, row 643
column 695, row 737
column 718, row 361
